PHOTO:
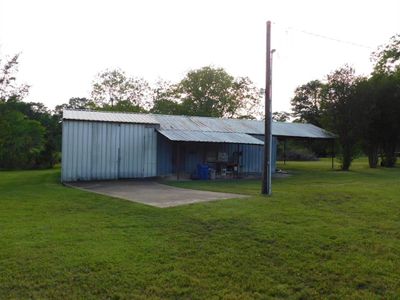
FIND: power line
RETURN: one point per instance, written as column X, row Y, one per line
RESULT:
column 317, row 35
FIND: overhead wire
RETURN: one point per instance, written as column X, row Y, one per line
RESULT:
column 321, row 36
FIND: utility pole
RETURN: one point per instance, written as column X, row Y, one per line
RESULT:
column 266, row 180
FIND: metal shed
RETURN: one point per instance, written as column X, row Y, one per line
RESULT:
column 109, row 145
column 99, row 146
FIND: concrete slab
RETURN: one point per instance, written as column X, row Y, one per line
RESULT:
column 151, row 192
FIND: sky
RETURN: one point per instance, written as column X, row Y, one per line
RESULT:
column 65, row 43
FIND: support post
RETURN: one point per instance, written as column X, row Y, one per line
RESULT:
column 333, row 153
column 266, row 181
column 178, row 160
column 284, row 151
column 238, row 161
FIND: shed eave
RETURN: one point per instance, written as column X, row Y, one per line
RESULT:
column 210, row 137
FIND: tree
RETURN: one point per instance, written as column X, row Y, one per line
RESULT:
column 379, row 105
column 387, row 57
column 36, row 111
column 8, row 85
column 75, row 103
column 361, row 111
column 386, row 79
column 123, row 106
column 21, row 139
column 165, row 99
column 30, row 135
column 247, row 99
column 280, row 116
column 306, row 104
column 207, row 92
column 213, row 92
column 386, row 95
column 339, row 108
column 368, row 119
column 113, row 86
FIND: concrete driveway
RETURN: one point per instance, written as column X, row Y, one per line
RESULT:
column 150, row 192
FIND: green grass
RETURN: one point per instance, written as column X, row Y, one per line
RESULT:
column 323, row 234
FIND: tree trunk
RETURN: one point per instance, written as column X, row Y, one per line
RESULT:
column 373, row 156
column 389, row 155
column 347, row 157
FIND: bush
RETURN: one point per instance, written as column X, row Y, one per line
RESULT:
column 297, row 150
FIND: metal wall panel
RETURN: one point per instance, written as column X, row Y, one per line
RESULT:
column 150, row 152
column 104, row 155
column 274, row 149
column 164, row 156
column 100, row 150
column 137, row 151
column 131, row 151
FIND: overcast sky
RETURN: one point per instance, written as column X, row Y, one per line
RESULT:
column 64, row 43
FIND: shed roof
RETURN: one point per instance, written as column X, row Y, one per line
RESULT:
column 210, row 137
column 201, row 124
column 301, row 130
column 104, row 116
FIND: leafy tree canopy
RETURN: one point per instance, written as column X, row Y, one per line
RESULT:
column 165, row 99
column 387, row 57
column 9, row 87
column 21, row 139
column 30, row 136
column 213, row 92
column 281, row 116
column 75, row 103
column 306, row 103
column 113, row 86
column 339, row 108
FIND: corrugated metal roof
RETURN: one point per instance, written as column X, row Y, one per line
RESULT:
column 241, row 126
column 300, row 130
column 210, row 137
column 100, row 116
column 209, row 124
column 203, row 124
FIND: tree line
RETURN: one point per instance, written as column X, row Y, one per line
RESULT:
column 364, row 112
column 207, row 91
column 30, row 133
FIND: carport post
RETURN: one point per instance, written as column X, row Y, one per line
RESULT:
column 333, row 152
column 178, row 160
column 284, row 151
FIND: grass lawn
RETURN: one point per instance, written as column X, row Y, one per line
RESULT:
column 323, row 234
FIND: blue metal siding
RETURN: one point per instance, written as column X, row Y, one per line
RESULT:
column 274, row 150
column 164, row 156
column 252, row 159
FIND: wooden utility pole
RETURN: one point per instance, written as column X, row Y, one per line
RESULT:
column 266, row 180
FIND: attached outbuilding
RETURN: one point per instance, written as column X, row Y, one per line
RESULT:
column 109, row 145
